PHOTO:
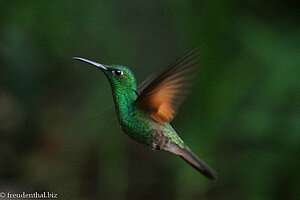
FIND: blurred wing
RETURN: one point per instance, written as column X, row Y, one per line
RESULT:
column 144, row 84
column 162, row 95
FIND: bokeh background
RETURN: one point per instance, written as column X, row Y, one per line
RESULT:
column 58, row 130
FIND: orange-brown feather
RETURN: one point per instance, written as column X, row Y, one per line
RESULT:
column 163, row 95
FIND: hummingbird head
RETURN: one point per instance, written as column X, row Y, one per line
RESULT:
column 118, row 76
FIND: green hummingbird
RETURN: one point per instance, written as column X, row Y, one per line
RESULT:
column 145, row 112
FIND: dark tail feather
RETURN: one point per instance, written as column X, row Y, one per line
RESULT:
column 198, row 164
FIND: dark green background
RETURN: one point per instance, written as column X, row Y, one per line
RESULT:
column 58, row 131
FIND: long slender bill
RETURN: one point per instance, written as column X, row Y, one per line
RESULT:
column 90, row 62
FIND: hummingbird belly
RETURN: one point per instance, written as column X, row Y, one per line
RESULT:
column 149, row 133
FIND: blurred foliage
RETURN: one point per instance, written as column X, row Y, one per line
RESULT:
column 56, row 127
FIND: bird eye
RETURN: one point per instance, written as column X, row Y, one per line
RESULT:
column 117, row 72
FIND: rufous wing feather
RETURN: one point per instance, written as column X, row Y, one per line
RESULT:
column 162, row 95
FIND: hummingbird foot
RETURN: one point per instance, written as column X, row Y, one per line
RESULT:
column 159, row 143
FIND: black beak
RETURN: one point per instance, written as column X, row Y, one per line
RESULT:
column 100, row 66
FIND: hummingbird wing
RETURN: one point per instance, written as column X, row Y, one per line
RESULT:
column 162, row 95
column 144, row 84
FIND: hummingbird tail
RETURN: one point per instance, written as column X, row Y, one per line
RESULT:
column 198, row 164
column 187, row 155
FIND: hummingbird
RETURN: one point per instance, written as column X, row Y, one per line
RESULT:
column 145, row 111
